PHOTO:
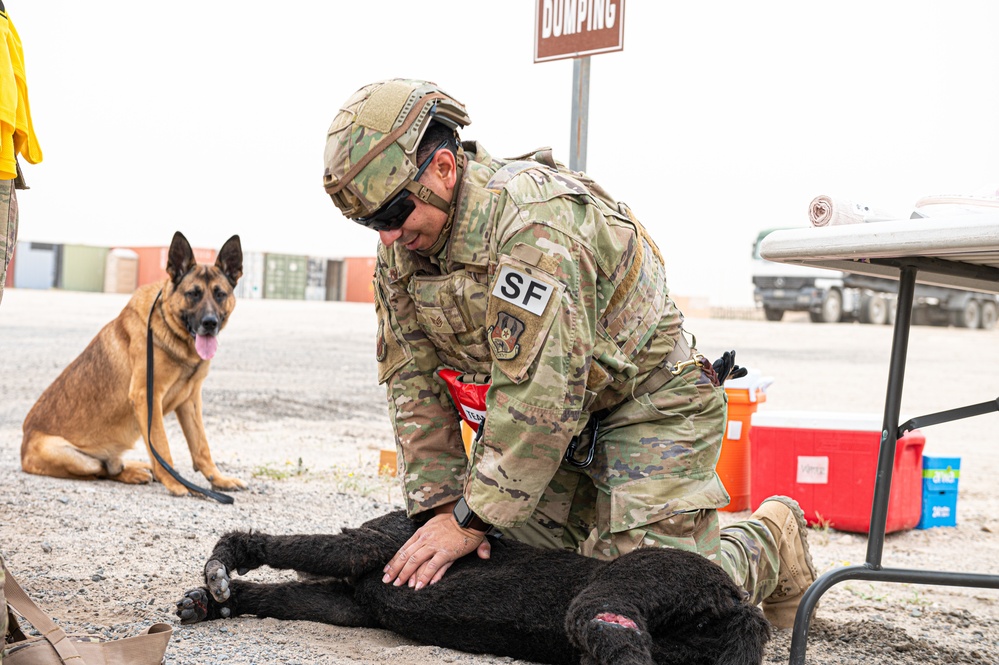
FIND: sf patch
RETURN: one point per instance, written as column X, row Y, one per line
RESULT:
column 524, row 303
column 504, row 335
column 523, row 290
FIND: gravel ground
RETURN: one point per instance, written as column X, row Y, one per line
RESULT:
column 292, row 406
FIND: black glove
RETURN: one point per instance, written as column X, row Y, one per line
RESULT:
column 726, row 368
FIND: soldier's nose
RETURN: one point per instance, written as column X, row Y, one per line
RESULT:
column 389, row 237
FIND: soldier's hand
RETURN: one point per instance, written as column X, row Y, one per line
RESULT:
column 427, row 555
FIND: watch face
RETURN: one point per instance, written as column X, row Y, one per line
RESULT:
column 462, row 513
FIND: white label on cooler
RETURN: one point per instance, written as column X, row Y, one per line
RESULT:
column 813, row 470
column 734, row 429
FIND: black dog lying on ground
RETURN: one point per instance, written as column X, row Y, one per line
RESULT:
column 550, row 606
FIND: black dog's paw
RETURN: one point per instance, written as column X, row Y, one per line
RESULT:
column 197, row 605
column 217, row 579
column 612, row 638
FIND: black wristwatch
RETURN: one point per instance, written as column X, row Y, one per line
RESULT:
column 466, row 519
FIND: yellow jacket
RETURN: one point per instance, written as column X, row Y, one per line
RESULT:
column 17, row 136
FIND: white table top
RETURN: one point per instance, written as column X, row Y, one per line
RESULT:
column 948, row 249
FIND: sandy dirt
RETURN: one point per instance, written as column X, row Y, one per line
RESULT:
column 292, row 406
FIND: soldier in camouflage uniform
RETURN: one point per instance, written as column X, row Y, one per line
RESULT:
column 603, row 424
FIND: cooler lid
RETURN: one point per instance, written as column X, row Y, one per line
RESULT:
column 827, row 420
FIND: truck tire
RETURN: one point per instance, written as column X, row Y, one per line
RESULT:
column 990, row 312
column 832, row 309
column 969, row 316
column 773, row 313
column 873, row 309
column 892, row 311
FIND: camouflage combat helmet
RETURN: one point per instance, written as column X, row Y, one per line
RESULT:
column 371, row 145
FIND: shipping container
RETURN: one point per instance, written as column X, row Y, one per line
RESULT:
column 81, row 268
column 121, row 273
column 335, row 282
column 37, row 265
column 285, row 276
column 153, row 261
column 315, row 281
column 251, row 284
column 360, row 273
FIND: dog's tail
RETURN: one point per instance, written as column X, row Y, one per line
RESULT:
column 749, row 632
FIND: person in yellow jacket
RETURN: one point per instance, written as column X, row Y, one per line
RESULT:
column 17, row 136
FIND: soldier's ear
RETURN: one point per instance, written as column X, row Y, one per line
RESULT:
column 445, row 167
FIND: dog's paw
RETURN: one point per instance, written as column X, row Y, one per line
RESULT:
column 227, row 483
column 217, row 578
column 134, row 473
column 197, row 605
column 174, row 487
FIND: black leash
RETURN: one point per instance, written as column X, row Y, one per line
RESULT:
column 218, row 496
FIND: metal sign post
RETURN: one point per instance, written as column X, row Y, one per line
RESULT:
column 580, row 112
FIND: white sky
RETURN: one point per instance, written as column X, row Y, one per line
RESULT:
column 716, row 120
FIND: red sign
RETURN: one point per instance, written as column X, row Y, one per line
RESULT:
column 577, row 28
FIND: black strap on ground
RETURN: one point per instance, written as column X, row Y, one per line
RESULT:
column 947, row 416
column 218, row 496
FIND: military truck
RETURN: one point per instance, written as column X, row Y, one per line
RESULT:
column 830, row 296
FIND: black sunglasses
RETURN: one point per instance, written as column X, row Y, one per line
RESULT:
column 393, row 214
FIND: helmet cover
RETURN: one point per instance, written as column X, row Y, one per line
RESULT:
column 371, row 145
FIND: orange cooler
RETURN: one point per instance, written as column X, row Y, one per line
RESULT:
column 733, row 465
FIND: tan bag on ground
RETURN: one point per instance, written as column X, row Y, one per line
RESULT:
column 55, row 647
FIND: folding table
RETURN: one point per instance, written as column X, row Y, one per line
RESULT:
column 959, row 251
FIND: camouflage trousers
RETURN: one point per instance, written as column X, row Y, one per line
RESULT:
column 8, row 228
column 652, row 483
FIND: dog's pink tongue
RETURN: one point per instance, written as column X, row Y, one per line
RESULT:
column 206, row 345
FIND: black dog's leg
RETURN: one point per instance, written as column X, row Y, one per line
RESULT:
column 668, row 607
column 328, row 601
column 609, row 638
column 344, row 555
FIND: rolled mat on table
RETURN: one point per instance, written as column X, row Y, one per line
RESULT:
column 827, row 211
column 944, row 204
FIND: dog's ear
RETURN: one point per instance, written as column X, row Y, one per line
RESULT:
column 180, row 259
column 230, row 260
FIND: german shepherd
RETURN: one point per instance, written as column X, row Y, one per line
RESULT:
column 95, row 410
column 649, row 607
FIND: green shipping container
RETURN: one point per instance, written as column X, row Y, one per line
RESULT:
column 82, row 268
column 285, row 276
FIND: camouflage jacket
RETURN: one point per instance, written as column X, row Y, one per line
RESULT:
column 548, row 286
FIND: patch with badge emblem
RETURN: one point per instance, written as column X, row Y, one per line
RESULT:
column 504, row 335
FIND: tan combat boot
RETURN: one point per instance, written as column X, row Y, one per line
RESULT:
column 783, row 517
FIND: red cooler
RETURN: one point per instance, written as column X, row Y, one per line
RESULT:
column 828, row 462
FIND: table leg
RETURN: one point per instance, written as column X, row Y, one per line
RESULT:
column 889, row 428
column 882, row 482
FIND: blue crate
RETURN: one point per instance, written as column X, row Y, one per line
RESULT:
column 939, row 509
column 940, row 480
column 941, row 472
